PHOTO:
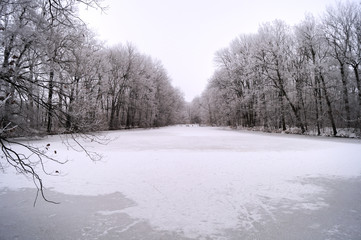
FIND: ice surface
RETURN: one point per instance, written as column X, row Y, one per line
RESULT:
column 202, row 182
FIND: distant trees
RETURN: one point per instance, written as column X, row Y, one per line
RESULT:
column 137, row 91
column 305, row 77
column 192, row 111
column 56, row 78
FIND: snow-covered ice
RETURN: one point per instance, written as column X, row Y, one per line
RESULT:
column 211, row 183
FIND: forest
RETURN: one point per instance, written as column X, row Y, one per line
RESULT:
column 300, row 79
column 56, row 77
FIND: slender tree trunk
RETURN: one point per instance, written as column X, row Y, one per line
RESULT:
column 50, row 101
column 297, row 109
column 315, row 94
column 358, row 84
column 61, row 101
column 112, row 115
column 345, row 94
column 320, row 102
column 304, row 114
column 210, row 114
column 264, row 107
column 329, row 107
column 282, row 108
column 31, row 113
column 117, row 119
column 70, row 109
column 129, row 115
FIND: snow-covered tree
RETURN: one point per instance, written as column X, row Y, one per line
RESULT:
column 304, row 77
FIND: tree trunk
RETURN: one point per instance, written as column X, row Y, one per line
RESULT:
column 70, row 110
column 329, row 108
column 50, row 101
column 297, row 109
column 358, row 84
column 282, row 108
column 112, row 115
column 345, row 94
column 316, row 95
column 264, row 106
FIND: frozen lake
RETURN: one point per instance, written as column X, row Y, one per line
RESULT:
column 192, row 183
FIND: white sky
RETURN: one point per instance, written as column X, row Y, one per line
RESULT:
column 185, row 34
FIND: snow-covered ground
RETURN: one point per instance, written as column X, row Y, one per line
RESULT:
column 192, row 182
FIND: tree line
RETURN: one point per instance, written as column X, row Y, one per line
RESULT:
column 57, row 78
column 305, row 78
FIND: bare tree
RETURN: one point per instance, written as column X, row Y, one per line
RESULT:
column 337, row 24
column 304, row 77
column 36, row 37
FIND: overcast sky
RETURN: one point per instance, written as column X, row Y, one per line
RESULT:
column 185, row 34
